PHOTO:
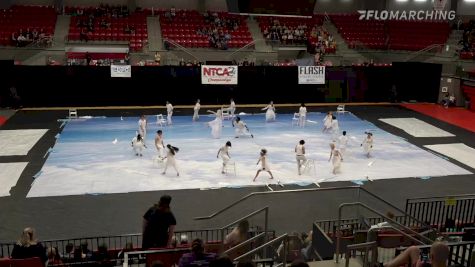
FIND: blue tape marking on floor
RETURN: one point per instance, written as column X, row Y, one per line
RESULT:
column 425, row 177
column 57, row 136
column 37, row 174
column 47, row 152
column 358, row 182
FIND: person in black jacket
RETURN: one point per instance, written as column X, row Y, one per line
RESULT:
column 29, row 247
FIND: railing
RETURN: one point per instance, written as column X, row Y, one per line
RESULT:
column 283, row 238
column 244, row 47
column 171, row 252
column 436, row 210
column 460, row 253
column 182, row 48
column 393, row 222
column 322, row 245
column 118, row 242
column 329, row 226
column 424, row 50
column 366, row 247
column 359, row 191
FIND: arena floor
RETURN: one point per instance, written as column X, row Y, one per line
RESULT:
column 92, row 184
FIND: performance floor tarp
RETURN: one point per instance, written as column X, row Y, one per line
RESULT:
column 458, row 151
column 9, row 175
column 19, row 142
column 94, row 156
column 416, row 127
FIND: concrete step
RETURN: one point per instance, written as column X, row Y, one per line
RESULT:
column 332, row 263
column 259, row 40
column 61, row 31
column 155, row 40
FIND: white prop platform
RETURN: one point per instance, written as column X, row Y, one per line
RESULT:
column 416, row 127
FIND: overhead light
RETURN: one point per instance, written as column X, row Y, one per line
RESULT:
column 401, row 0
column 420, row 1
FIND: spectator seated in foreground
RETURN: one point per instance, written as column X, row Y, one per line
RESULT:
column 29, row 247
column 197, row 257
column 438, row 256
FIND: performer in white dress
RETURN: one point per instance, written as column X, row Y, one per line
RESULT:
column 270, row 113
column 300, row 155
column 241, row 128
column 232, row 108
column 169, row 113
column 368, row 144
column 264, row 164
column 335, row 127
column 223, row 152
column 343, row 143
column 138, row 145
column 216, row 124
column 327, row 122
column 302, row 115
column 336, row 158
column 171, row 162
column 196, row 110
column 159, row 144
column 142, row 126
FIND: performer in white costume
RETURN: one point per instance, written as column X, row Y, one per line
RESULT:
column 232, row 108
column 159, row 144
column 142, row 126
column 264, row 164
column 302, row 115
column 138, row 145
column 216, row 124
column 171, row 162
column 343, row 143
column 270, row 113
column 336, row 158
column 327, row 122
column 169, row 113
column 335, row 127
column 196, row 110
column 368, row 144
column 300, row 155
column 241, row 128
column 223, row 152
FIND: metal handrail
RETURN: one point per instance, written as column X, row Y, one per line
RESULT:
column 425, row 49
column 244, row 243
column 307, row 190
column 244, row 47
column 282, row 237
column 367, row 245
column 126, row 254
column 338, row 235
column 184, row 49
column 441, row 197
column 266, row 222
column 271, row 192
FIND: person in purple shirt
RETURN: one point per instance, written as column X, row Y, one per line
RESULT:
column 197, row 257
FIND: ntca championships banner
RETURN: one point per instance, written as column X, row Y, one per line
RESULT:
column 124, row 71
column 213, row 74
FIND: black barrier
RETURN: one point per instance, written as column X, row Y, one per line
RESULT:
column 448, row 213
column 43, row 86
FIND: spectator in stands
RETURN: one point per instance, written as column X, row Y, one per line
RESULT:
column 35, row 35
column 173, row 11
column 222, row 261
column 69, row 255
column 21, row 40
column 197, row 257
column 53, row 257
column 88, row 59
column 299, row 263
column 158, row 224
column 29, row 247
column 83, row 35
column 101, row 256
column 294, row 248
column 157, row 264
column 127, row 28
column 157, row 58
column 239, row 234
column 439, row 254
column 245, row 264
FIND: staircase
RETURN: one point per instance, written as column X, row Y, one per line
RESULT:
column 155, row 41
column 346, row 55
column 451, row 46
column 61, row 31
column 257, row 36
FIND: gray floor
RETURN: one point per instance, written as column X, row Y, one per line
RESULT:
column 88, row 215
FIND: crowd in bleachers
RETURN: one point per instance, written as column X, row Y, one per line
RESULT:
column 113, row 23
column 24, row 25
column 298, row 31
column 468, row 40
column 219, row 30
